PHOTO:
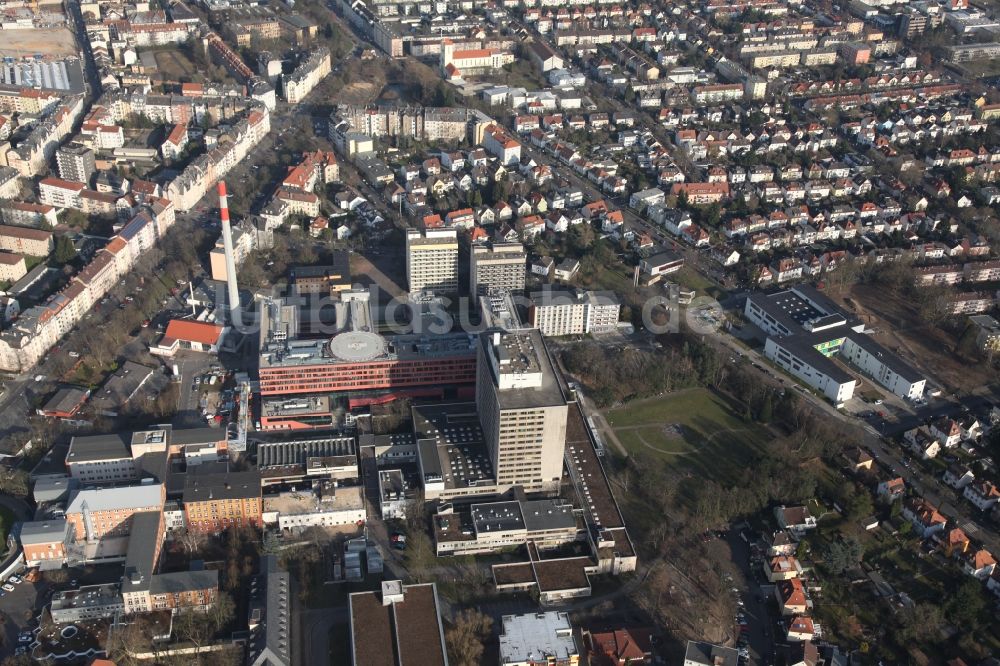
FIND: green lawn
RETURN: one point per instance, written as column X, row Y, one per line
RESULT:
column 692, row 279
column 715, row 441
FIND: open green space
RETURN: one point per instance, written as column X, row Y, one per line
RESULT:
column 690, row 278
column 695, row 430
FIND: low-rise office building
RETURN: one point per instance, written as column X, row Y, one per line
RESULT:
column 328, row 506
column 497, row 525
column 557, row 313
column 400, row 620
column 807, row 334
column 526, row 640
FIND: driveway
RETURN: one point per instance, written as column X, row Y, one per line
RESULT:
column 315, row 625
column 188, row 405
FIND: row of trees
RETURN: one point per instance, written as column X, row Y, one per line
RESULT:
column 617, row 376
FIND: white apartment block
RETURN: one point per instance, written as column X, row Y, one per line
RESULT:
column 175, row 142
column 556, row 313
column 804, row 329
column 432, row 261
column 884, row 367
column 25, row 214
column 60, row 193
column 501, row 145
column 307, row 75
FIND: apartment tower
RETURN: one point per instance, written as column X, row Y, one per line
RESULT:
column 522, row 409
column 432, row 261
column 76, row 163
column 499, row 266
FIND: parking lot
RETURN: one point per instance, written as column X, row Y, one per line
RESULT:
column 21, row 605
column 196, row 371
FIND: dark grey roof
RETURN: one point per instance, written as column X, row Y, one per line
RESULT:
column 710, row 655
column 140, row 559
column 65, row 400
column 183, row 581
column 664, row 258
column 450, row 444
column 121, row 386
column 153, row 465
column 497, row 517
column 270, row 640
column 295, row 452
column 803, row 346
column 340, row 264
column 227, row 485
column 890, row 360
column 547, row 515
column 187, row 436
column 53, row 489
column 43, row 531
column 99, row 447
column 786, row 308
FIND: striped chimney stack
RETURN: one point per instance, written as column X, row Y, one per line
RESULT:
column 227, row 242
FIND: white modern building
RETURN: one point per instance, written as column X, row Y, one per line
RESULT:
column 805, row 332
column 296, row 511
column 556, row 313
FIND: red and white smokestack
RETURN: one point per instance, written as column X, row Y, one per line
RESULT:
column 223, row 201
column 233, row 293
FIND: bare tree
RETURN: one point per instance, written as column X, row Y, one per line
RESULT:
column 191, row 541
column 466, row 637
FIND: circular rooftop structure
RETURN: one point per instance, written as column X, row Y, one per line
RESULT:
column 357, row 346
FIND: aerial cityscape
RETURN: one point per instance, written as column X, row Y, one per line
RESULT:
column 502, row 333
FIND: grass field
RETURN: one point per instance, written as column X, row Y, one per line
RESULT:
column 713, row 440
column 690, row 278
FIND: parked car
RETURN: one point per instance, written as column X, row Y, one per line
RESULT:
column 8, row 587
